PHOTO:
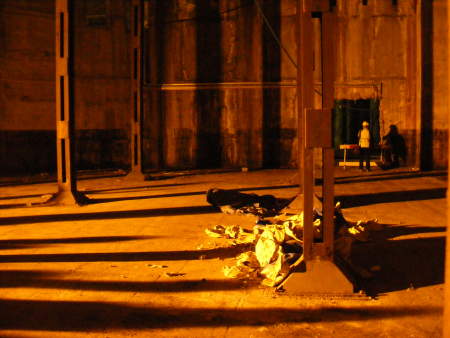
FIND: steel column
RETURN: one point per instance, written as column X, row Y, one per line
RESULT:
column 305, row 83
column 136, row 90
column 320, row 274
column 328, row 38
column 65, row 123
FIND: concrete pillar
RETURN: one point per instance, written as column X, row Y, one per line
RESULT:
column 136, row 90
column 65, row 124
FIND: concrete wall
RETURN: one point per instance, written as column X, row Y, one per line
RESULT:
column 102, row 82
column 376, row 59
column 27, row 89
column 219, row 90
column 222, row 103
column 27, row 92
column 378, row 53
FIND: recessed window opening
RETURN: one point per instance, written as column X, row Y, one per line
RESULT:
column 348, row 116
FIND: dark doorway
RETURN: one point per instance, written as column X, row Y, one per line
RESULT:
column 348, row 115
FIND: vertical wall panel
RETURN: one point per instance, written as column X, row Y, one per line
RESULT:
column 241, row 112
column 440, row 84
column 27, row 87
column 27, row 65
column 179, row 65
column 101, row 76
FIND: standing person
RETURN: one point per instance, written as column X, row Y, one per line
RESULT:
column 364, row 146
column 395, row 147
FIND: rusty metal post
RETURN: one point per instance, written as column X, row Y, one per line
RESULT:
column 328, row 40
column 65, row 124
column 305, row 83
column 136, row 91
column 322, row 275
column 304, row 76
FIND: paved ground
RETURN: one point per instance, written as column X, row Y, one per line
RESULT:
column 138, row 263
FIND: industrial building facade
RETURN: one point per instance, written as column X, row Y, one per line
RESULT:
column 218, row 82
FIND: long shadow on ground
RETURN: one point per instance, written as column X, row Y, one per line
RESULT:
column 174, row 211
column 51, row 280
column 350, row 201
column 97, row 316
column 19, row 196
column 94, row 200
column 126, row 189
column 403, row 263
column 7, row 244
column 134, row 188
column 127, row 256
column 389, row 176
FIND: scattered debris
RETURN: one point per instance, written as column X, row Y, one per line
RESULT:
column 278, row 245
column 234, row 232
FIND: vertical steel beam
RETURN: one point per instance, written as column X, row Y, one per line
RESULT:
column 65, row 123
column 300, row 104
column 316, row 124
column 321, row 275
column 305, row 92
column 328, row 38
column 136, row 90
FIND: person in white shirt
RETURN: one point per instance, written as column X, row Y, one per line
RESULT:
column 364, row 146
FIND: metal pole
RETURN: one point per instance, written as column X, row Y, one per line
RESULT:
column 328, row 37
column 320, row 274
column 305, row 83
column 65, row 123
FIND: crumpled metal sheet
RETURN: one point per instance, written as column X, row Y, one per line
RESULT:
column 272, row 259
column 246, row 267
column 266, row 247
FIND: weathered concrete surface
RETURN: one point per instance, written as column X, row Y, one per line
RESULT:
column 27, row 95
column 220, row 92
column 27, row 65
column 378, row 51
column 96, row 271
column 376, row 46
